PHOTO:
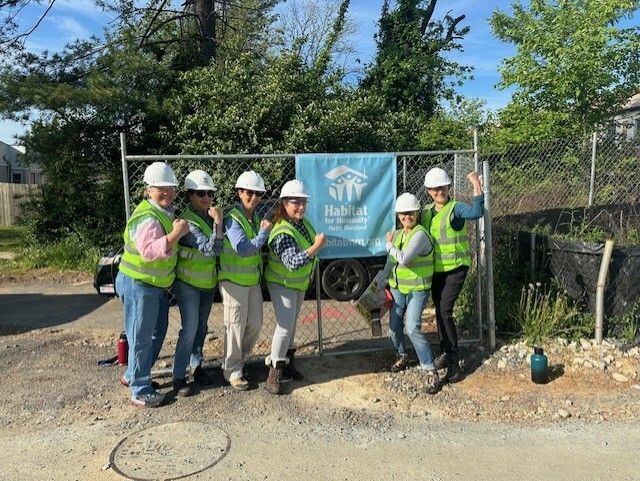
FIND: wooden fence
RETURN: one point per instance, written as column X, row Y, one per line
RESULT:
column 11, row 196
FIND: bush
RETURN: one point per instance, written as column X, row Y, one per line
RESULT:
column 72, row 252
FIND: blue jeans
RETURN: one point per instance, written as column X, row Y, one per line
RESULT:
column 146, row 317
column 195, row 307
column 407, row 310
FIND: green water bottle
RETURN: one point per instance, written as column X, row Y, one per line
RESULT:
column 539, row 366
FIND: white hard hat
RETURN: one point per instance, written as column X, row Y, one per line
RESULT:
column 436, row 177
column 293, row 188
column 251, row 181
column 407, row 203
column 198, row 180
column 159, row 174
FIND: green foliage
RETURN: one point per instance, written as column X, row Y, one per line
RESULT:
column 465, row 309
column 12, row 238
column 411, row 68
column 72, row 252
column 508, row 275
column 573, row 68
column 171, row 90
column 546, row 313
column 627, row 325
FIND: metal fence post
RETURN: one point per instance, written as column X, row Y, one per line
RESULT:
column 489, row 255
column 125, row 173
column 404, row 173
column 479, row 233
column 319, row 310
column 592, row 184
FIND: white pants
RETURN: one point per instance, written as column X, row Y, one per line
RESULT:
column 286, row 303
column 242, row 324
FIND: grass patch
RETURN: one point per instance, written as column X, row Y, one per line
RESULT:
column 544, row 313
column 70, row 253
column 12, row 238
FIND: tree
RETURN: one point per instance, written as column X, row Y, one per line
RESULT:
column 574, row 66
column 410, row 69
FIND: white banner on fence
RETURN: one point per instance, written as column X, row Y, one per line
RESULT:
column 352, row 199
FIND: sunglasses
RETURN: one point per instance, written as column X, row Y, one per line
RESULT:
column 440, row 187
column 202, row 193
column 297, row 202
column 412, row 213
column 252, row 193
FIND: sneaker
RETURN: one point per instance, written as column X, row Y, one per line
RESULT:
column 239, row 383
column 183, row 388
column 401, row 363
column 441, row 360
column 432, row 382
column 152, row 400
column 201, row 377
column 125, row 382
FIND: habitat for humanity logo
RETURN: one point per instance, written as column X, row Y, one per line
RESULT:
column 346, row 181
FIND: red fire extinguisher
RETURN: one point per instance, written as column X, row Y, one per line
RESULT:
column 123, row 349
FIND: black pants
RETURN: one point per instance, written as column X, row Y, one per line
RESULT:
column 445, row 288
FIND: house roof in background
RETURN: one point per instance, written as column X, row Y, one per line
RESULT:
column 633, row 103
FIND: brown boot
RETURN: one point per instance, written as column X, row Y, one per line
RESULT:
column 274, row 379
column 290, row 373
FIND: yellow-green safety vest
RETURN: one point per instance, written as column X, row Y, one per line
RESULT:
column 451, row 247
column 417, row 275
column 244, row 271
column 277, row 272
column 195, row 268
column 158, row 273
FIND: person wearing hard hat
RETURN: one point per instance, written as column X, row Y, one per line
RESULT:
column 446, row 220
column 408, row 271
column 146, row 271
column 196, row 279
column 239, row 276
column 293, row 246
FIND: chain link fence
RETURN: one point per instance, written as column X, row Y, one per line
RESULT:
column 325, row 324
column 554, row 204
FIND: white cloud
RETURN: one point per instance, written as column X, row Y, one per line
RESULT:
column 70, row 28
column 85, row 7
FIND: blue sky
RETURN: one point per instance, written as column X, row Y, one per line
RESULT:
column 72, row 19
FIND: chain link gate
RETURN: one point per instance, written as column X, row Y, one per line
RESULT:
column 325, row 325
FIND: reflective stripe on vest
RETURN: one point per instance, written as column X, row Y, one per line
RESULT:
column 158, row 273
column 244, row 271
column 193, row 266
column 451, row 248
column 417, row 275
column 277, row 272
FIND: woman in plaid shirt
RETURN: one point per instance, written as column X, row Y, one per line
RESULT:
column 293, row 245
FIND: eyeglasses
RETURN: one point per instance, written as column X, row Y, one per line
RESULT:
column 296, row 202
column 202, row 193
column 252, row 193
column 164, row 188
column 412, row 213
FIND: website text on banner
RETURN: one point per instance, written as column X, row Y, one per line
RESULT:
column 351, row 201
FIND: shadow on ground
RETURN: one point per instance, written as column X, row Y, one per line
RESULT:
column 25, row 312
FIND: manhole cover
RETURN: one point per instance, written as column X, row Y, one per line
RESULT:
column 170, row 451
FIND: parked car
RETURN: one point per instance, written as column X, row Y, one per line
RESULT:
column 341, row 279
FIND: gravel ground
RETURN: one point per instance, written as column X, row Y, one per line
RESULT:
column 61, row 415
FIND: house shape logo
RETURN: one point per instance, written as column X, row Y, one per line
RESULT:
column 346, row 182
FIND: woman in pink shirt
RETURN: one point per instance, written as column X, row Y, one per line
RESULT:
column 146, row 271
